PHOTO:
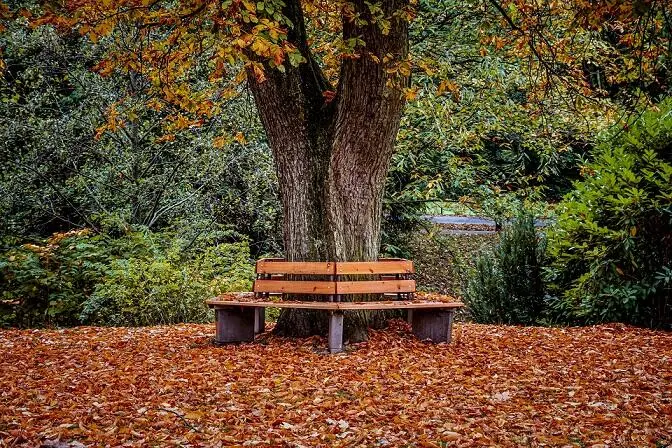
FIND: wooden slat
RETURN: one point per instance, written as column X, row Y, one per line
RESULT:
column 375, row 287
column 294, row 287
column 384, row 266
column 391, row 305
column 268, row 266
column 375, row 267
column 380, row 305
column 268, row 304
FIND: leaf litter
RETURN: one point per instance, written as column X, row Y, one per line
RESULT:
column 600, row 386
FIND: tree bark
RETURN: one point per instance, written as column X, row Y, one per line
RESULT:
column 332, row 157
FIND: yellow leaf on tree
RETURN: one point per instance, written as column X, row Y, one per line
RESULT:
column 240, row 138
column 220, row 141
column 251, row 7
column 411, row 94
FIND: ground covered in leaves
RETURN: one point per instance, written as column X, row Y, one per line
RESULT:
column 493, row 386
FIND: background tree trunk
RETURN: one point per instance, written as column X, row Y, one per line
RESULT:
column 332, row 157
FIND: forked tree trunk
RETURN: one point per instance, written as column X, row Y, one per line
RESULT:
column 332, row 157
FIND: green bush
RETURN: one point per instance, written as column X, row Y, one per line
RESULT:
column 59, row 170
column 165, row 290
column 506, row 285
column 441, row 260
column 612, row 248
column 133, row 278
column 49, row 280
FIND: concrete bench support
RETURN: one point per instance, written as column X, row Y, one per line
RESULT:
column 335, row 332
column 433, row 325
column 240, row 321
column 259, row 320
column 235, row 324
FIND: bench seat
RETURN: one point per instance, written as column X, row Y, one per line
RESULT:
column 239, row 316
column 335, row 306
column 240, row 320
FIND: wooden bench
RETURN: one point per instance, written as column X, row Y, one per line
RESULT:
column 239, row 320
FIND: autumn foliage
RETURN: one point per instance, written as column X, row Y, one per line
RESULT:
column 581, row 48
column 493, row 386
column 587, row 48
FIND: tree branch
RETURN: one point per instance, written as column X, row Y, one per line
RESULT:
column 515, row 27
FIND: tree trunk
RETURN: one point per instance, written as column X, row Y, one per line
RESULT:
column 332, row 157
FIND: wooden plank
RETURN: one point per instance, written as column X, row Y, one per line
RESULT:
column 215, row 303
column 374, row 267
column 378, row 305
column 375, row 286
column 393, row 305
column 270, row 266
column 295, row 287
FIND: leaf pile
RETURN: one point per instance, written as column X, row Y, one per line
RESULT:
column 493, row 386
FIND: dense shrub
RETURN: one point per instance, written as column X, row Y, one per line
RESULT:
column 48, row 280
column 62, row 165
column 612, row 248
column 442, row 260
column 506, row 284
column 137, row 278
column 165, row 290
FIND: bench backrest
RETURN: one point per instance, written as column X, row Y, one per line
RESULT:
column 277, row 276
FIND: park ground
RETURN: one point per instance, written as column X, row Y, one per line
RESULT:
column 601, row 386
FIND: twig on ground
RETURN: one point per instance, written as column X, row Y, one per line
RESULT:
column 184, row 420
